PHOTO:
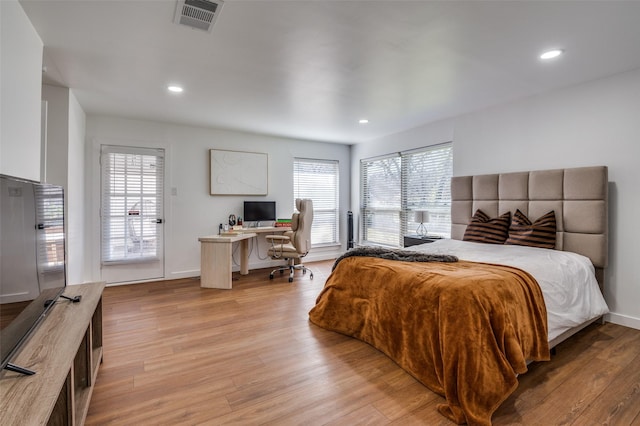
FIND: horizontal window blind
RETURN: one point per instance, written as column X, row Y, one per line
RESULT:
column 381, row 202
column 319, row 181
column 426, row 177
column 132, row 203
column 395, row 186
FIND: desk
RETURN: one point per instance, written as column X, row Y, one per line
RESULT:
column 264, row 229
column 215, row 255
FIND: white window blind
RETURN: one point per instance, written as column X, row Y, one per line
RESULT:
column 50, row 224
column 319, row 181
column 395, row 186
column 381, row 204
column 426, row 179
column 132, row 203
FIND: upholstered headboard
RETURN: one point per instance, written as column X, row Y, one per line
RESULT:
column 578, row 196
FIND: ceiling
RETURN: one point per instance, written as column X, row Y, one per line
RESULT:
column 311, row 69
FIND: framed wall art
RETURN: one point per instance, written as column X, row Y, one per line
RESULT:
column 238, row 173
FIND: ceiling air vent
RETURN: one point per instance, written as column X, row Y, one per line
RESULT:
column 200, row 14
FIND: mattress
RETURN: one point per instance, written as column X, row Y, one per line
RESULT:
column 567, row 280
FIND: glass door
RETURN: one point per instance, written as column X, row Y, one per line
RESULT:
column 132, row 213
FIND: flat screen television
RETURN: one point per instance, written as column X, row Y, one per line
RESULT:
column 259, row 211
column 32, row 259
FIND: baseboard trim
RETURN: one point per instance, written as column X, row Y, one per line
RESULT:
column 183, row 274
column 322, row 256
column 267, row 263
column 623, row 320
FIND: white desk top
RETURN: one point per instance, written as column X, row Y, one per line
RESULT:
column 243, row 234
column 263, row 229
column 227, row 238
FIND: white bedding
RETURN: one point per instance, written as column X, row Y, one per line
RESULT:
column 567, row 280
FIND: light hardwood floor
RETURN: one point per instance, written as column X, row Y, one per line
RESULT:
column 178, row 354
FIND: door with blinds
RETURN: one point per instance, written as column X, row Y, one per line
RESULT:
column 50, row 249
column 132, row 214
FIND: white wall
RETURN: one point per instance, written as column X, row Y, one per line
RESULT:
column 20, row 82
column 193, row 212
column 597, row 123
column 65, row 154
column 75, row 196
column 433, row 134
column 57, row 163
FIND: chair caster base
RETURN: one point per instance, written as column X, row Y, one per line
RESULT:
column 290, row 269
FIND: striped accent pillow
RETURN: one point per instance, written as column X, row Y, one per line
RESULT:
column 541, row 233
column 483, row 229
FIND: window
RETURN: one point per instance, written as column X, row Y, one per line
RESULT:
column 426, row 178
column 381, row 200
column 318, row 180
column 394, row 186
column 132, row 202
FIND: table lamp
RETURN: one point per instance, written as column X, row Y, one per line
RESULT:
column 421, row 216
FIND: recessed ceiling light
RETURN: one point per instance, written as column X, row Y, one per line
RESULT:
column 363, row 121
column 175, row 89
column 550, row 54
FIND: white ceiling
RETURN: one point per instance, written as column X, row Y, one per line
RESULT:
column 312, row 69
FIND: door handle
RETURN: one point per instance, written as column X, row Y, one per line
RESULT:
column 158, row 220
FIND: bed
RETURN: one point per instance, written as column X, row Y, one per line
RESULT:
column 467, row 321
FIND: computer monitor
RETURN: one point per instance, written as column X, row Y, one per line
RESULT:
column 258, row 211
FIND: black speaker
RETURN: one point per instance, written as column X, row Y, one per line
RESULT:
column 350, row 242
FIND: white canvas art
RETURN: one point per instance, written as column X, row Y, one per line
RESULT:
column 238, row 173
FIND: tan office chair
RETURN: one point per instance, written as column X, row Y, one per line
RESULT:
column 294, row 244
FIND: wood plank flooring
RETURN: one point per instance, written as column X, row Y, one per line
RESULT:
column 178, row 354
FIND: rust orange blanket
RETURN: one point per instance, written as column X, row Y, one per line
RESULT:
column 464, row 329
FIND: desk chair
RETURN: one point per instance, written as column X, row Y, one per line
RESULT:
column 294, row 244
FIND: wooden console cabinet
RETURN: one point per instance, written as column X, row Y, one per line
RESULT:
column 65, row 351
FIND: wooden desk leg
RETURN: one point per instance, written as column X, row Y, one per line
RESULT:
column 244, row 257
column 215, row 265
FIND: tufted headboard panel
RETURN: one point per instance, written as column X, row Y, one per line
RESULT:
column 578, row 196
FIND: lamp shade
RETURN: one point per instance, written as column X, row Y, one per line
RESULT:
column 421, row 216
